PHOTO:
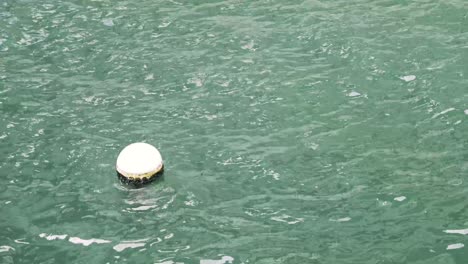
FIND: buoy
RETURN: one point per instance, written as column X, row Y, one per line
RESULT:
column 139, row 163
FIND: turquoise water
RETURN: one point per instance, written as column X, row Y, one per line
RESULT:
column 292, row 131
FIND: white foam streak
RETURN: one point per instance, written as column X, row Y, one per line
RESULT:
column 87, row 242
column 399, row 198
column 122, row 246
column 457, row 231
column 6, row 248
column 443, row 112
column 408, row 78
column 52, row 237
column 455, row 246
column 223, row 260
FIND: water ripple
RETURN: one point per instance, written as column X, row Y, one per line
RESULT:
column 293, row 132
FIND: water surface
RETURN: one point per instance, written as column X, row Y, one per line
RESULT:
column 292, row 131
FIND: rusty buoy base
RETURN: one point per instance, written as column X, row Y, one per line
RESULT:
column 139, row 182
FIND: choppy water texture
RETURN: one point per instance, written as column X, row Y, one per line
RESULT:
column 293, row 131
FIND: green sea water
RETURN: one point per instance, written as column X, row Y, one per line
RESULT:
column 312, row 131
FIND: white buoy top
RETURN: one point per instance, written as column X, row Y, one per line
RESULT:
column 139, row 160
